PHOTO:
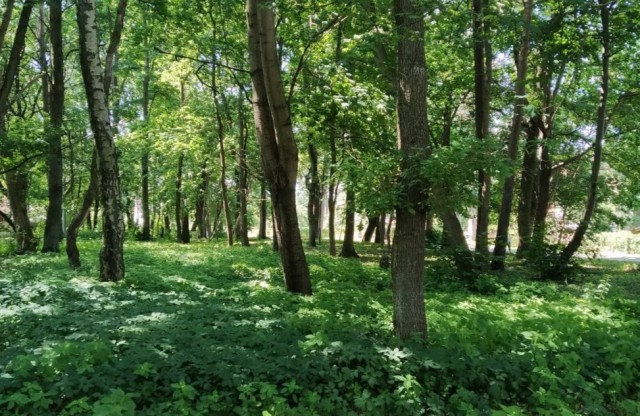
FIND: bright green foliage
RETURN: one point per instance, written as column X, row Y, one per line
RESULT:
column 196, row 330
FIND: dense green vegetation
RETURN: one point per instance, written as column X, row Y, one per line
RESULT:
column 205, row 329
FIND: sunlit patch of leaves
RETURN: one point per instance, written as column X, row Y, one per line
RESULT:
column 210, row 330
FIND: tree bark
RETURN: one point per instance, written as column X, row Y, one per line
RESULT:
column 262, row 229
column 372, row 226
column 243, row 181
column 482, row 58
column 407, row 266
column 17, row 180
column 528, row 176
column 185, row 238
column 5, row 217
column 17, row 191
column 543, row 197
column 333, row 195
column 314, row 205
column 179, row 198
column 348, row 247
column 145, row 235
column 601, row 128
column 381, row 229
column 278, row 148
column 6, row 20
column 201, row 202
column 73, row 254
column 53, row 224
column 111, row 253
column 502, row 236
column 223, row 158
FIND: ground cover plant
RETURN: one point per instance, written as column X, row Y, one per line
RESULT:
column 205, row 329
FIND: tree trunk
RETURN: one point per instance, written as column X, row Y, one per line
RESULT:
column 502, row 236
column 262, row 229
column 243, row 181
column 348, row 247
column 201, row 202
column 17, row 181
column 543, row 197
column 526, row 204
column 278, row 148
column 6, row 20
column 333, row 195
column 482, row 58
column 185, row 238
column 223, row 158
column 372, row 226
column 179, row 198
column 5, row 217
column 408, row 250
column 53, row 224
column 73, row 254
column 111, row 253
column 601, row 128
column 381, row 229
column 314, row 205
column 145, row 235
column 17, row 191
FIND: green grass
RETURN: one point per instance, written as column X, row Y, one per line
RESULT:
column 208, row 330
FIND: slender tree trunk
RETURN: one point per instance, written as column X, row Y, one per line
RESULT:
column 5, row 217
column 17, row 181
column 179, row 198
column 348, row 247
column 372, row 225
column 526, row 204
column 6, row 20
column 408, row 249
column 223, row 159
column 381, row 229
column 201, row 202
column 278, row 148
column 111, row 253
column 482, row 57
column 17, row 191
column 333, row 195
column 543, row 197
column 502, row 237
column 262, row 229
column 430, row 234
column 243, row 181
column 601, row 128
column 53, row 225
column 314, row 205
column 144, row 162
column 73, row 254
column 185, row 238
column 96, row 209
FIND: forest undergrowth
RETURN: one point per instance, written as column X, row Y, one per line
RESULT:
column 203, row 329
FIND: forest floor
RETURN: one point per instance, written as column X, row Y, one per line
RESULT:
column 203, row 329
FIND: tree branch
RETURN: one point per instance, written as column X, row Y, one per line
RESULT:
column 316, row 36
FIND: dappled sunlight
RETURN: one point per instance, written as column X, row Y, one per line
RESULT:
column 216, row 331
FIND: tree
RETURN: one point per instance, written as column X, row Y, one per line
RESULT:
column 482, row 58
column 111, row 253
column 53, row 225
column 407, row 269
column 17, row 181
column 278, row 148
column 605, row 7
column 522, row 57
column 90, row 195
